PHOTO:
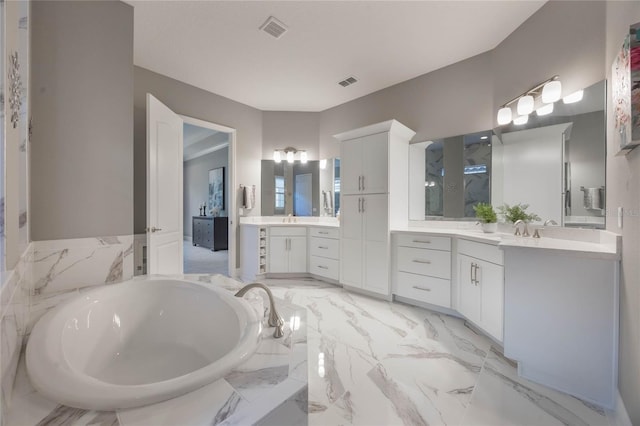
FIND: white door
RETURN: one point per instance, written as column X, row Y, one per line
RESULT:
column 278, row 254
column 351, row 167
column 164, row 189
column 375, row 212
column 297, row 254
column 302, row 201
column 375, row 164
column 351, row 240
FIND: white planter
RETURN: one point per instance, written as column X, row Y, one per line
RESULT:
column 489, row 227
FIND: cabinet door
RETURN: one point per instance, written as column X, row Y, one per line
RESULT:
column 351, row 167
column 376, row 243
column 468, row 289
column 375, row 164
column 491, row 279
column 351, row 240
column 297, row 254
column 278, row 254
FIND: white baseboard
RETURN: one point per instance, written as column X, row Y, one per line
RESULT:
column 620, row 417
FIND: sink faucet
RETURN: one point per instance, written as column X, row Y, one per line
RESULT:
column 550, row 222
column 275, row 320
column 525, row 232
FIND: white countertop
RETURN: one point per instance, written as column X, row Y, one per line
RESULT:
column 320, row 221
column 607, row 249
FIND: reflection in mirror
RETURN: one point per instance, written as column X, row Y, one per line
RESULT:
column 297, row 189
column 556, row 163
column 449, row 176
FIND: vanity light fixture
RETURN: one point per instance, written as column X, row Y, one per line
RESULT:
column 525, row 105
column 545, row 110
column 551, row 91
column 546, row 92
column 289, row 155
column 518, row 121
column 574, row 97
column 484, row 138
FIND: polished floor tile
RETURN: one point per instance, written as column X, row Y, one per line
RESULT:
column 373, row 362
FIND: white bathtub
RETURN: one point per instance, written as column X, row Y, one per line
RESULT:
column 139, row 342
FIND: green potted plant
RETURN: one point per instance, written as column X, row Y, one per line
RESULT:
column 487, row 217
column 517, row 212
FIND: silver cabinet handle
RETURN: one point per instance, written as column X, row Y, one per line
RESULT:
column 471, row 273
column 359, row 206
column 426, row 262
column 475, row 275
column 421, row 288
column 323, row 247
column 363, row 201
column 323, row 232
column 363, row 183
column 359, row 183
column 322, row 267
column 154, row 229
column 422, row 241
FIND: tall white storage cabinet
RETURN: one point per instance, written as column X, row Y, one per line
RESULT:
column 374, row 191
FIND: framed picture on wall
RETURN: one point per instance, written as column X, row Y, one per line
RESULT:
column 216, row 191
column 625, row 92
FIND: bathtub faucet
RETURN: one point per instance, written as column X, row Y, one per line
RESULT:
column 275, row 320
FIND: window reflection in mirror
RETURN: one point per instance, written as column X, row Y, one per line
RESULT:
column 309, row 189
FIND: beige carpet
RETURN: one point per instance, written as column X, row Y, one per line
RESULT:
column 200, row 260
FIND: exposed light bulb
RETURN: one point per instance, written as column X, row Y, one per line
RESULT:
column 521, row 120
column 303, row 157
column 551, row 92
column 504, row 115
column 574, row 97
column 525, row 105
column 276, row 156
column 289, row 156
column 323, row 163
column 544, row 110
column 484, row 138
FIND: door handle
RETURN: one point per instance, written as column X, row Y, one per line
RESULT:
column 153, row 229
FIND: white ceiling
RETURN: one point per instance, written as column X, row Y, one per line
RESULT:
column 217, row 45
column 198, row 141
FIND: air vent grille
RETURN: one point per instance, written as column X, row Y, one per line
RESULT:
column 273, row 27
column 348, row 81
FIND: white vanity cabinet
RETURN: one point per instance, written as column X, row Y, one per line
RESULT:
column 324, row 252
column 423, row 268
column 481, row 286
column 374, row 183
column 287, row 249
column 363, row 164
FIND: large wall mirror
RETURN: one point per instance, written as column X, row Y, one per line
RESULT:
column 555, row 163
column 300, row 189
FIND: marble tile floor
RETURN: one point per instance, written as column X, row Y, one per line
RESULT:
column 373, row 362
column 201, row 260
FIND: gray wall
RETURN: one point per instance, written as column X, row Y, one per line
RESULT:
column 196, row 183
column 295, row 129
column 450, row 101
column 623, row 189
column 82, row 145
column 193, row 102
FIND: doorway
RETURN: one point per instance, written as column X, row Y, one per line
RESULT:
column 206, row 199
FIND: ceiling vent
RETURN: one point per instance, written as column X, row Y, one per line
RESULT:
column 273, row 27
column 348, row 81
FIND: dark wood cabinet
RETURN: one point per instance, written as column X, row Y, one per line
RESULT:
column 210, row 232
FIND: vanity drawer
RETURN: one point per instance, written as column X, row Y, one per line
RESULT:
column 434, row 263
column 425, row 241
column 328, row 268
column 288, row 231
column 325, row 232
column 488, row 252
column 436, row 291
column 325, row 247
